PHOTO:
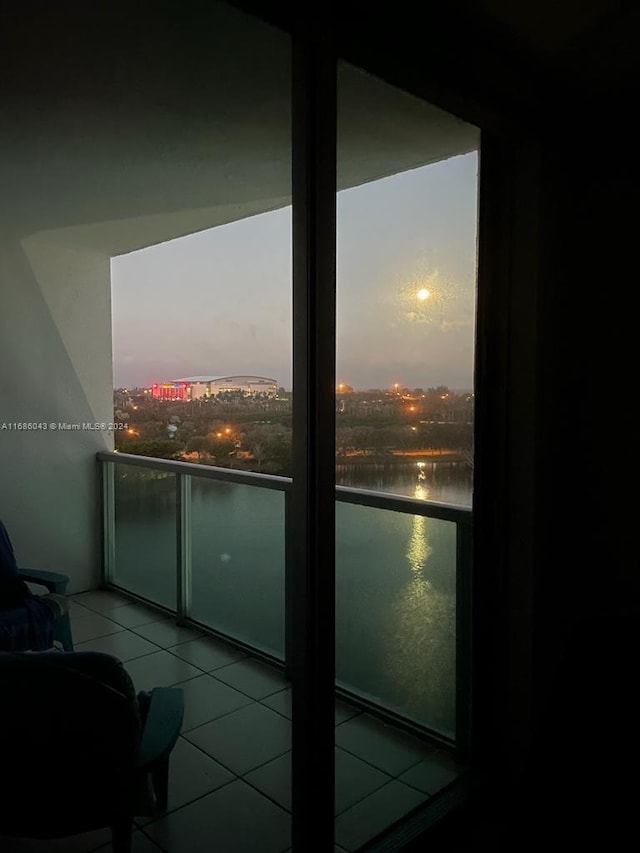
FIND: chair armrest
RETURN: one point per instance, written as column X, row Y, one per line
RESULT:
column 162, row 726
column 53, row 581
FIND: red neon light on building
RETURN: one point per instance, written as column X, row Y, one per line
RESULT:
column 178, row 391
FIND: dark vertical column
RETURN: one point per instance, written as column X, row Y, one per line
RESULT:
column 313, row 494
column 506, row 463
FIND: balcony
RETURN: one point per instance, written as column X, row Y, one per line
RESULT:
column 188, row 599
column 229, row 784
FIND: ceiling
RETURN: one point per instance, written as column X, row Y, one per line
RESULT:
column 589, row 40
column 141, row 101
column 115, row 136
column 520, row 60
column 579, row 43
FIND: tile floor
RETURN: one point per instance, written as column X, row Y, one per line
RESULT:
column 230, row 785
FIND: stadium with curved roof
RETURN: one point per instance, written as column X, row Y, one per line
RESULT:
column 202, row 387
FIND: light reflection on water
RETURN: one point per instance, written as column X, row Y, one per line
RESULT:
column 445, row 482
column 422, row 493
column 420, row 658
column 419, row 550
column 395, row 605
column 420, row 661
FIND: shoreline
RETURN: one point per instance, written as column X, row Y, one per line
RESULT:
column 403, row 457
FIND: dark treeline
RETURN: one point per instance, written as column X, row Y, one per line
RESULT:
column 255, row 434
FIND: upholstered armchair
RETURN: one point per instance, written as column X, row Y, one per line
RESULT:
column 80, row 751
column 26, row 624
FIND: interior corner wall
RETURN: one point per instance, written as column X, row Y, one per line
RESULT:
column 75, row 282
column 50, row 501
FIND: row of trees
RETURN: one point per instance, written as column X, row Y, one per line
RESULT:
column 240, row 437
column 434, row 404
column 266, row 448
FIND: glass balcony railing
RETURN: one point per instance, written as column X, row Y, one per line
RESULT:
column 238, row 561
column 210, row 545
column 144, row 511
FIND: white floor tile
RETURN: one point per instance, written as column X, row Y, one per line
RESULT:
column 92, row 626
column 160, row 669
column 234, row 819
column 166, row 633
column 134, row 615
column 244, row 739
column 206, row 699
column 252, row 677
column 207, row 654
column 375, row 814
column 378, row 744
column 124, row 645
column 192, row 774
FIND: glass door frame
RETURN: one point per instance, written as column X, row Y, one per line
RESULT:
column 311, row 587
column 310, row 584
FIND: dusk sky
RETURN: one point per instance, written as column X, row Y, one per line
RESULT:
column 219, row 302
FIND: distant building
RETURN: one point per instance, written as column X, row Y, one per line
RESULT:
column 170, row 391
column 203, row 387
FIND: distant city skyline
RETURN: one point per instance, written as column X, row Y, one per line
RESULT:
column 218, row 302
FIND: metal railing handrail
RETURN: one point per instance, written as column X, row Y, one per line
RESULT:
column 345, row 494
column 194, row 469
column 404, row 503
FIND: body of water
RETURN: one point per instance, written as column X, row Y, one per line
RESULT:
column 443, row 482
column 395, row 574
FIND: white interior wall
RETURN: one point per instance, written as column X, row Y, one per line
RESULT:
column 49, row 496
